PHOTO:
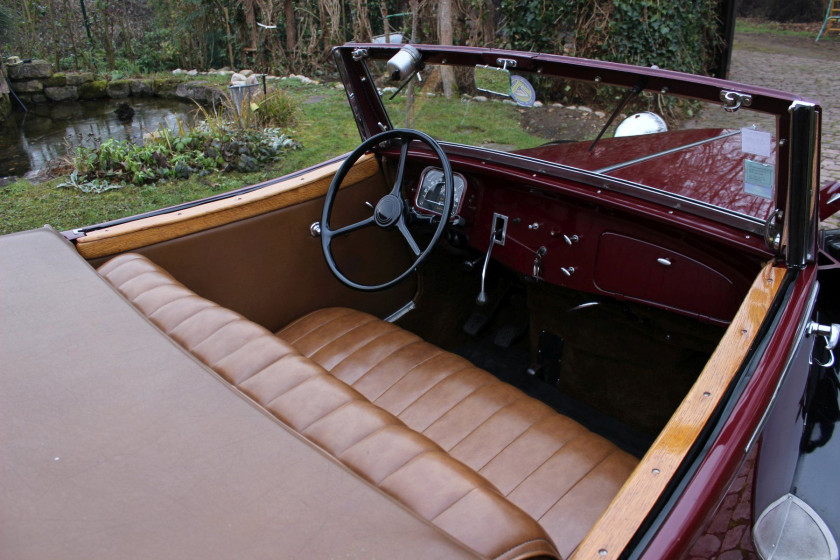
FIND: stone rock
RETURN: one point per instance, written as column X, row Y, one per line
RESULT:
column 166, row 87
column 479, row 99
column 32, row 98
column 238, row 79
column 178, row 71
column 733, row 537
column 537, row 104
column 584, row 109
column 192, row 73
column 142, row 88
column 29, row 70
column 600, row 114
column 28, row 86
column 5, row 106
column 706, row 546
column 61, row 93
column 560, row 105
column 118, row 89
column 56, row 80
column 78, row 78
column 246, row 72
column 199, row 91
column 93, row 90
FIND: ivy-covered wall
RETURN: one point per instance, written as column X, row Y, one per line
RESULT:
column 672, row 34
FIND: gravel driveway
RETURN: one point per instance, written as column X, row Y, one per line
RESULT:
column 803, row 66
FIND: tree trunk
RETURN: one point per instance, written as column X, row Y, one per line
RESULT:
column 414, row 8
column 54, row 31
column 109, row 45
column 383, row 8
column 126, row 31
column 445, row 34
column 251, row 21
column 71, row 26
column 291, row 36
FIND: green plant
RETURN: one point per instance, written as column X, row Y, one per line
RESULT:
column 277, row 109
column 213, row 145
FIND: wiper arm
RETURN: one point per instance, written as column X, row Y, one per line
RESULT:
column 635, row 90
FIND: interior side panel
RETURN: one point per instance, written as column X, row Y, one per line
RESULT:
column 271, row 270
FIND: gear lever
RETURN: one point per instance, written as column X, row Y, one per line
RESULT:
column 497, row 236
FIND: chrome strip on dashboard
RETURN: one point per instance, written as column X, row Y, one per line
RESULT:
column 650, row 194
column 624, row 164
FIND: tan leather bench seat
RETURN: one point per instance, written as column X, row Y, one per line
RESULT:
column 499, row 471
column 557, row 471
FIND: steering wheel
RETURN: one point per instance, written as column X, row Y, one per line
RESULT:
column 391, row 210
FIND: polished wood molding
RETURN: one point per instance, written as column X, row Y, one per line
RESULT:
column 617, row 525
column 155, row 229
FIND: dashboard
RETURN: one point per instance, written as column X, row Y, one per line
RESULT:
column 567, row 242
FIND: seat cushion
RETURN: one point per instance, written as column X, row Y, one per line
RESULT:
column 330, row 413
column 557, row 471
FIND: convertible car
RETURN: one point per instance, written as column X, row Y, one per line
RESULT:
column 546, row 309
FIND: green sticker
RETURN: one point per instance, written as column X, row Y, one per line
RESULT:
column 758, row 178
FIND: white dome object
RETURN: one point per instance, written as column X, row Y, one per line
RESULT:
column 641, row 123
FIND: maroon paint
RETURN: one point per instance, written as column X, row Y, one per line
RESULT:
column 698, row 173
column 669, row 220
column 688, row 85
column 708, row 486
column 682, row 287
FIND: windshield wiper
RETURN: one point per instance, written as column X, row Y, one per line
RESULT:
column 635, row 90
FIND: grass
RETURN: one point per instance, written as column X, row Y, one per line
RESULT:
column 757, row 26
column 324, row 125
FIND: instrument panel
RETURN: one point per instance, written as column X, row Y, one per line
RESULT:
column 431, row 193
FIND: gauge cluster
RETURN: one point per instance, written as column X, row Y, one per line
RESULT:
column 431, row 192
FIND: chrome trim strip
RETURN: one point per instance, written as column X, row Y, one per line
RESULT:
column 665, row 152
column 650, row 194
column 803, row 328
column 396, row 315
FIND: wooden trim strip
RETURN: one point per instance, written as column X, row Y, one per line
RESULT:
column 617, row 525
column 154, row 229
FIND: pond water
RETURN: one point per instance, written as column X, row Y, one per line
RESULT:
column 28, row 141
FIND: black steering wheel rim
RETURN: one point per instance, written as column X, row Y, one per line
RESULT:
column 391, row 210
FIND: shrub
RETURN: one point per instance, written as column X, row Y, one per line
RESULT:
column 673, row 34
column 209, row 146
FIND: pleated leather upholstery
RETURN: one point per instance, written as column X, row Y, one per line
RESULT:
column 553, row 468
column 326, row 410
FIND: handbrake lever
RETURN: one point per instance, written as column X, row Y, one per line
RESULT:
column 497, row 235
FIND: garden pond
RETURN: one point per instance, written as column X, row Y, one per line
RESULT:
column 29, row 141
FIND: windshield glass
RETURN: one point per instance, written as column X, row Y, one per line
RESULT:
column 684, row 147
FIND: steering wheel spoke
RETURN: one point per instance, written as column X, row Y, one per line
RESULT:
column 401, row 167
column 415, row 248
column 353, row 227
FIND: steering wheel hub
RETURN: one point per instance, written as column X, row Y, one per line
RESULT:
column 388, row 211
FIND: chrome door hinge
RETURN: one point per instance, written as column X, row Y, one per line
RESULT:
column 830, row 335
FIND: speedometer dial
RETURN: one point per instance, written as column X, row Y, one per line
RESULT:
column 431, row 192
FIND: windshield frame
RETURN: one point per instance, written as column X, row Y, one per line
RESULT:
column 372, row 118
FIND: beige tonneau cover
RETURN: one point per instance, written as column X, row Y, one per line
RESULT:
column 117, row 443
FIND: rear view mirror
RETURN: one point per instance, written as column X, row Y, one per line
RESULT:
column 489, row 79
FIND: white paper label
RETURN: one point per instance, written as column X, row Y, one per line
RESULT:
column 759, row 178
column 756, row 142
